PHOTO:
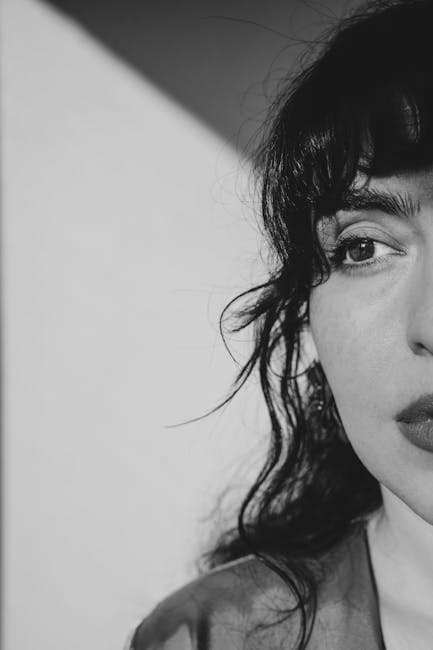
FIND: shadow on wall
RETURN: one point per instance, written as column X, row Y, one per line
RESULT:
column 221, row 59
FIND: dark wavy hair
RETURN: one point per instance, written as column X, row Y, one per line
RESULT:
column 365, row 104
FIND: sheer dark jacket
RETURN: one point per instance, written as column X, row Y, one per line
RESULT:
column 230, row 607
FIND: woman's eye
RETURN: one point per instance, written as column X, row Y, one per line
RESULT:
column 354, row 252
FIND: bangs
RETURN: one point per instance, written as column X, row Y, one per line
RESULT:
column 399, row 132
column 370, row 108
column 385, row 132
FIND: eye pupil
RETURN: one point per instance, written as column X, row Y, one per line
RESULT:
column 361, row 250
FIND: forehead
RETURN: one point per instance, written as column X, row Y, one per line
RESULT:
column 404, row 195
column 417, row 184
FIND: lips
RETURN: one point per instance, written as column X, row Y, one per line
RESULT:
column 416, row 422
column 419, row 411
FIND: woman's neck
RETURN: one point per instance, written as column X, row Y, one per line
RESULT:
column 401, row 547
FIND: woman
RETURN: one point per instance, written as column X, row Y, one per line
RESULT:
column 334, row 544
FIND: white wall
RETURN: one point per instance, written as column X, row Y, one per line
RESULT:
column 123, row 235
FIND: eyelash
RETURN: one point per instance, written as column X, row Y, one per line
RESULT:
column 338, row 253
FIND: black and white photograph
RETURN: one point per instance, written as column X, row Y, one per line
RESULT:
column 217, row 324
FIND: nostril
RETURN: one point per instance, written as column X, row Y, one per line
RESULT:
column 424, row 350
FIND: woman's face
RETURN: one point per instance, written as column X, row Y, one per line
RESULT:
column 373, row 327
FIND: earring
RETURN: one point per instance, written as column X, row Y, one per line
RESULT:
column 330, row 414
column 323, row 403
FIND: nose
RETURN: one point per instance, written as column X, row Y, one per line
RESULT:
column 420, row 307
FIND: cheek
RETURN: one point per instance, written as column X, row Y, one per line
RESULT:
column 354, row 347
column 362, row 346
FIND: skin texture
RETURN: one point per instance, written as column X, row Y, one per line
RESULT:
column 373, row 332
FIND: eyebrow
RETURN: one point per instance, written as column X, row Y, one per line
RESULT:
column 396, row 204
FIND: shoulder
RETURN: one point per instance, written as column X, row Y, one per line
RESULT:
column 243, row 605
column 217, row 611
